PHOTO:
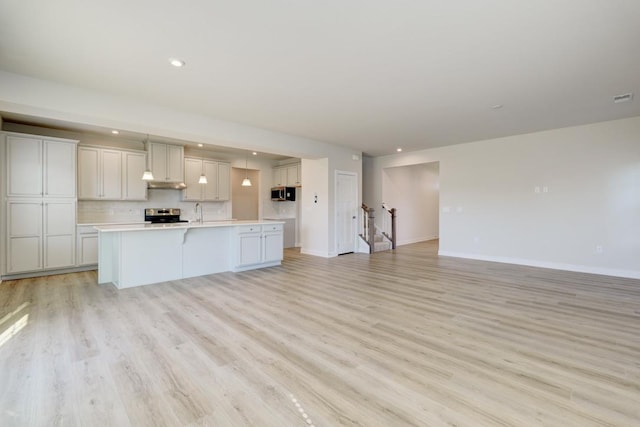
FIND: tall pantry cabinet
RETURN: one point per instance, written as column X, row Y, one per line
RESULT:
column 39, row 203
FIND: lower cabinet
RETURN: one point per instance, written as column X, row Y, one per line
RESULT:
column 87, row 245
column 258, row 245
column 41, row 235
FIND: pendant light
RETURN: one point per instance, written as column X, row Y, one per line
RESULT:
column 147, row 175
column 246, row 182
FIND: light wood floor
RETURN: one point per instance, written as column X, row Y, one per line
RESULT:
column 394, row 339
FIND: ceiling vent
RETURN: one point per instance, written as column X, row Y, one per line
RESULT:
column 625, row 97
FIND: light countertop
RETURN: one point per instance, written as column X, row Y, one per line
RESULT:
column 180, row 225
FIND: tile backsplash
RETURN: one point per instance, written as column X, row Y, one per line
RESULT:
column 93, row 212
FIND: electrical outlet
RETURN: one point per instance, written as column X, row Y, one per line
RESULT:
column 545, row 189
column 536, row 189
column 599, row 249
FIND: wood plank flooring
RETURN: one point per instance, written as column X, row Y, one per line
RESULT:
column 402, row 338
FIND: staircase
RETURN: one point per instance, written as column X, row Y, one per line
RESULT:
column 372, row 238
column 381, row 243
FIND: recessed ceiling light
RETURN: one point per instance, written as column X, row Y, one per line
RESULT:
column 497, row 106
column 399, row 149
column 625, row 97
column 177, row 62
column 254, row 153
column 115, row 132
column 200, row 145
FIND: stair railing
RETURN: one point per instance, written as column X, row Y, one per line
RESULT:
column 369, row 227
column 389, row 225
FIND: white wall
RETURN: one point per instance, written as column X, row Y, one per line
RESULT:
column 490, row 208
column 314, row 221
column 414, row 192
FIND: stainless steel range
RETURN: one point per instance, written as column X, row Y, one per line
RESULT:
column 163, row 215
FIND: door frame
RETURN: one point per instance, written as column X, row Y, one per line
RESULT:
column 335, row 204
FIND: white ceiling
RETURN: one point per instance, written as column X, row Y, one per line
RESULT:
column 370, row 74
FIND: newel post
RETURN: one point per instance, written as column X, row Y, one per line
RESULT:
column 372, row 229
column 393, row 228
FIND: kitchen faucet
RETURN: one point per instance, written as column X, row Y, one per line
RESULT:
column 198, row 205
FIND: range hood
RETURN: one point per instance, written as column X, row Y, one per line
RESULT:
column 164, row 185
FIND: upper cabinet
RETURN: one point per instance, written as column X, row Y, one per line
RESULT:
column 287, row 175
column 40, row 167
column 110, row 174
column 166, row 162
column 293, row 175
column 217, row 188
column 133, row 166
column 99, row 174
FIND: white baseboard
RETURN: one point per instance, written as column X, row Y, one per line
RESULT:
column 631, row 274
column 415, row 240
column 315, row 253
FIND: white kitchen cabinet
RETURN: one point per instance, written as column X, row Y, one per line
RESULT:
column 134, row 165
column 288, row 175
column 166, row 162
column 279, row 177
column 258, row 245
column 111, row 174
column 272, row 243
column 59, row 233
column 99, row 174
column 216, row 189
column 224, row 181
column 24, row 235
column 250, row 251
column 39, row 211
column 192, row 171
column 293, row 175
column 40, row 234
column 39, row 167
column 210, row 190
column 87, row 245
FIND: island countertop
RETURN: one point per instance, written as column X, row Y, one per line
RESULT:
column 106, row 228
column 140, row 254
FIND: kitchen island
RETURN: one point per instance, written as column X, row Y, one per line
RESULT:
column 140, row 254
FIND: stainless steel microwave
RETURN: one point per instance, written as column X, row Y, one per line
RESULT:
column 282, row 194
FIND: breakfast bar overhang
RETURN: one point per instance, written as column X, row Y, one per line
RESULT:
column 140, row 254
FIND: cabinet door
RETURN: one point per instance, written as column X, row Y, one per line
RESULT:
column 192, row 172
column 210, row 189
column 158, row 161
column 272, row 246
column 249, row 249
column 24, row 230
column 111, row 174
column 279, row 177
column 175, row 163
column 59, row 233
column 24, row 166
column 60, row 217
column 88, row 249
column 224, row 181
column 88, row 173
column 59, row 169
column 292, row 176
column 134, row 188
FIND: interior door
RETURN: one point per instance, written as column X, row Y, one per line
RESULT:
column 346, row 211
